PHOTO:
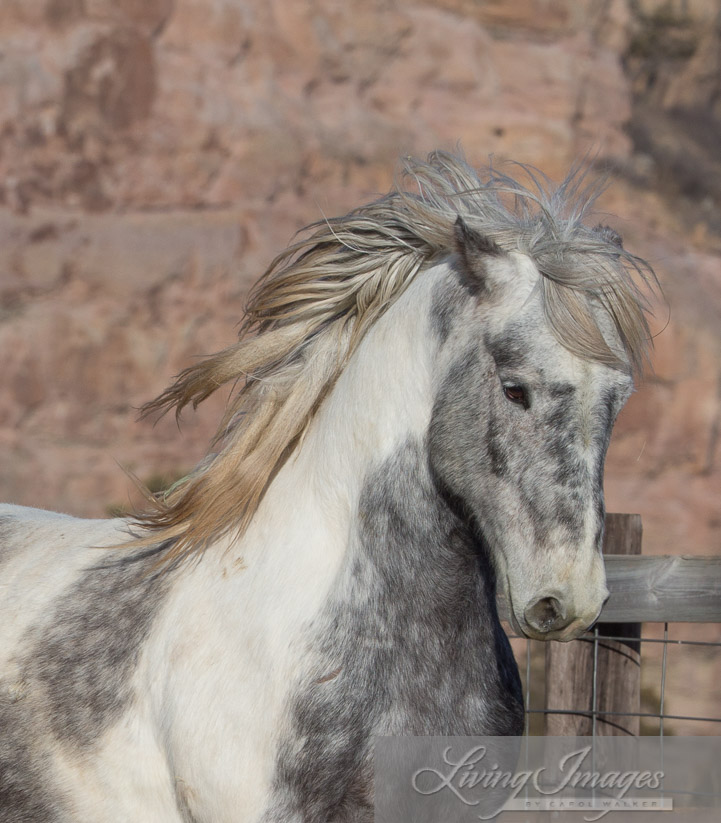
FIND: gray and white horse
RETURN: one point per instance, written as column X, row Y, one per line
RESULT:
column 425, row 392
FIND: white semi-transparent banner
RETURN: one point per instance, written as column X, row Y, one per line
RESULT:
column 534, row 779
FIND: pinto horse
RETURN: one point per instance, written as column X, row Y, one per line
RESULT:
column 424, row 393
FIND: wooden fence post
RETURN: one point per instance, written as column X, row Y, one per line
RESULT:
column 570, row 666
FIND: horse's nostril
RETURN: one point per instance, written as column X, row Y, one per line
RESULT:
column 546, row 615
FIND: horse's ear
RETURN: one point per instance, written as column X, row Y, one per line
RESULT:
column 473, row 249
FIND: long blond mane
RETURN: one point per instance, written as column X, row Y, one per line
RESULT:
column 312, row 306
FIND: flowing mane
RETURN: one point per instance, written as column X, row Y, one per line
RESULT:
column 318, row 298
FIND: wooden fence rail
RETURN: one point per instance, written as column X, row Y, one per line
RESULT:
column 663, row 589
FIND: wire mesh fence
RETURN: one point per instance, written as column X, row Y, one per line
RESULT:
column 680, row 682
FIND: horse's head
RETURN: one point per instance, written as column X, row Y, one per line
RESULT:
column 519, row 434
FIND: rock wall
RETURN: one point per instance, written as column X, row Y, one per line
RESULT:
column 155, row 155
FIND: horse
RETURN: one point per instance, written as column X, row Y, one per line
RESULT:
column 423, row 395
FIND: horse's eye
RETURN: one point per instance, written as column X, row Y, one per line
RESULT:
column 516, row 394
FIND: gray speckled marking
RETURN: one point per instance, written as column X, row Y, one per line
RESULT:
column 415, row 634
column 508, row 351
column 497, row 454
column 604, row 429
column 563, row 435
column 536, row 455
column 446, row 299
column 27, row 794
column 82, row 659
column 541, row 457
column 606, row 417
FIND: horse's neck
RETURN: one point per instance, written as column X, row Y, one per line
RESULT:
column 357, row 511
column 414, row 551
column 407, row 642
column 406, row 639
column 382, row 398
column 300, row 537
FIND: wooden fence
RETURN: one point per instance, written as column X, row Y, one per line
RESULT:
column 593, row 685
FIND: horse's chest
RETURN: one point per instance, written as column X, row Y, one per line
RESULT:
column 383, row 677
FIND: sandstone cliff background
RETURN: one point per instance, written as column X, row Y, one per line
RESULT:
column 156, row 154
